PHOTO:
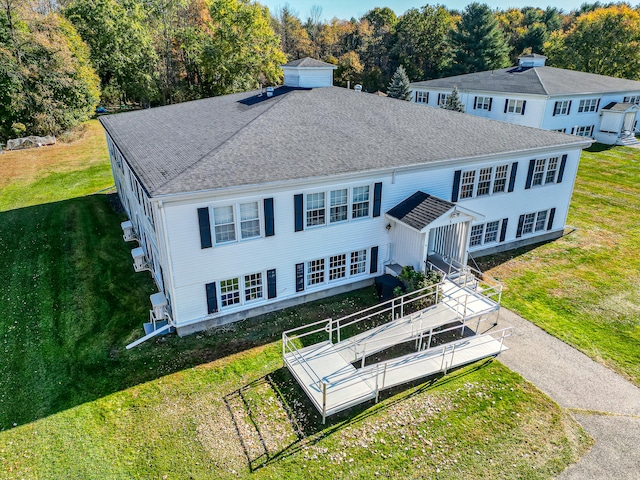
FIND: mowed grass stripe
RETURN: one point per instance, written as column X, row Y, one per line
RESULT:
column 585, row 287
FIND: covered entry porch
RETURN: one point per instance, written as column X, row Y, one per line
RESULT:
column 428, row 231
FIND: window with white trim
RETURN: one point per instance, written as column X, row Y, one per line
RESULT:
column 484, row 181
column 541, row 220
column 230, row 292
column 545, row 171
column 253, row 287
column 584, row 131
column 467, row 184
column 358, row 262
column 588, row 105
column 338, row 205
column 360, row 206
column 422, row 97
column 224, row 224
column 500, row 180
column 315, row 272
column 632, row 99
column 249, row 220
column 538, row 171
column 529, row 222
column 561, row 107
column 515, row 106
column 337, row 267
column 483, row 103
column 343, row 204
column 315, row 209
column 442, row 99
column 561, row 130
column 484, row 233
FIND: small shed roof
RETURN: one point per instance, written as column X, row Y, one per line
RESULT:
column 619, row 107
column 420, row 209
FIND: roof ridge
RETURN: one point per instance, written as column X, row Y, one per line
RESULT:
column 544, row 87
column 219, row 147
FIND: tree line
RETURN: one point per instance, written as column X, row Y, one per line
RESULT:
column 58, row 61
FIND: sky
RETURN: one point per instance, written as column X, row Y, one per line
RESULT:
column 345, row 9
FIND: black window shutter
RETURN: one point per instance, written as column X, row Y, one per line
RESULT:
column 456, row 185
column 439, row 96
column 299, row 277
column 555, row 109
column 475, row 102
column 212, row 298
column 205, row 228
column 506, row 104
column 524, row 105
column 503, row 229
column 512, row 179
column 490, row 103
column 532, row 164
column 377, row 199
column 569, row 108
column 271, row 283
column 552, row 213
column 573, row 130
column 563, row 164
column 427, row 99
column 269, row 223
column 520, row 225
column 598, row 105
column 416, row 97
column 373, row 267
column 299, row 214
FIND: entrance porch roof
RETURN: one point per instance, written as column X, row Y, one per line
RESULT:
column 422, row 212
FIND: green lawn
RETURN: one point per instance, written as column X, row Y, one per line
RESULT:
column 75, row 404
column 585, row 287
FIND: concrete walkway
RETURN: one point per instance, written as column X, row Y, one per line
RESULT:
column 605, row 404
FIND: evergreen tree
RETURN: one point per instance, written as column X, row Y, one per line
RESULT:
column 399, row 86
column 453, row 101
column 478, row 41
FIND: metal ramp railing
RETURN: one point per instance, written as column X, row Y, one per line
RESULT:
column 326, row 366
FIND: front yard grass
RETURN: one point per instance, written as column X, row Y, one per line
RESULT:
column 585, row 287
column 75, row 404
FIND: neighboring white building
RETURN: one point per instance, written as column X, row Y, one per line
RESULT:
column 577, row 103
column 248, row 203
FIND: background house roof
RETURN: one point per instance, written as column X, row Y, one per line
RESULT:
column 534, row 80
column 309, row 62
column 243, row 139
column 420, row 209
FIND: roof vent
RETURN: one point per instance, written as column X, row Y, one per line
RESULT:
column 358, row 88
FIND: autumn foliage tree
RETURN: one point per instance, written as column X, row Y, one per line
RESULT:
column 48, row 83
column 604, row 41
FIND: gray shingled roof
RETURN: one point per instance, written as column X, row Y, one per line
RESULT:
column 309, row 62
column 618, row 107
column 240, row 139
column 534, row 80
column 420, row 209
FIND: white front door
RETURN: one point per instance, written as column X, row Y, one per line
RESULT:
column 627, row 125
